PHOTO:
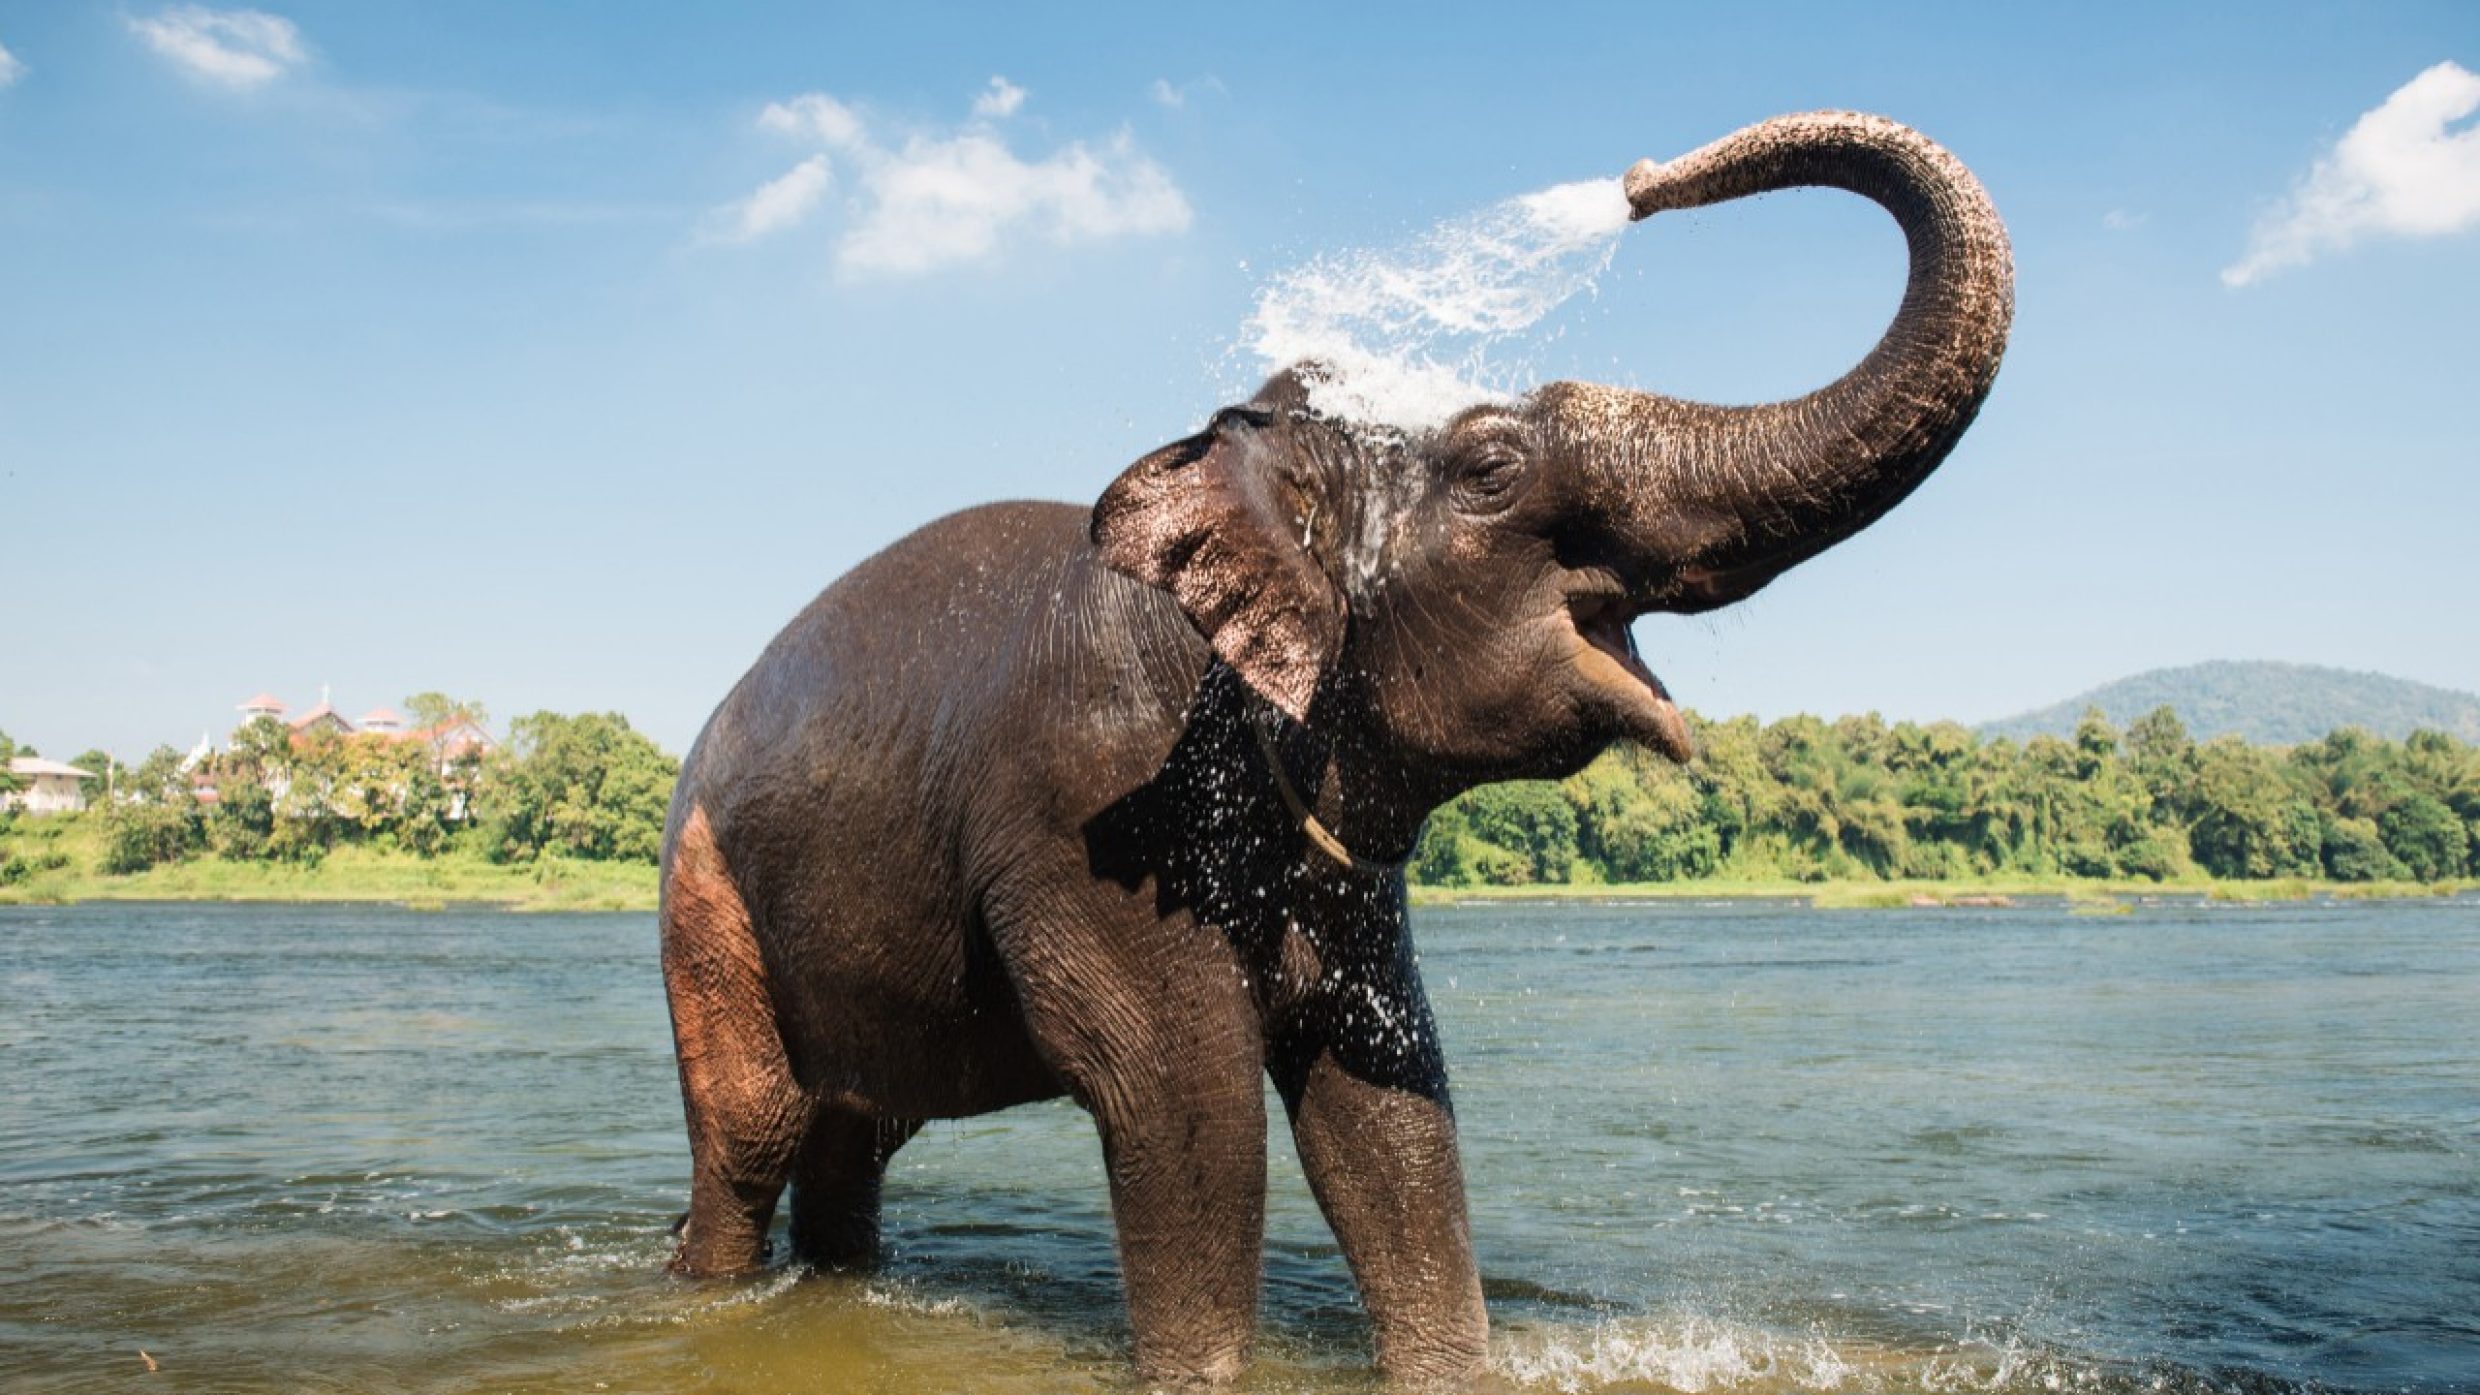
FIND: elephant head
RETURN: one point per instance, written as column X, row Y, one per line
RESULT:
column 1462, row 596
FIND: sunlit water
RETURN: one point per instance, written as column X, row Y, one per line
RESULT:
column 1710, row 1147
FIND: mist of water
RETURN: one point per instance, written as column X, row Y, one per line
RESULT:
column 1409, row 335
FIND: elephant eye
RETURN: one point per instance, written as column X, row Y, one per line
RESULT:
column 1486, row 481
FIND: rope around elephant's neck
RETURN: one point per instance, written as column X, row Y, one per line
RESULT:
column 1319, row 836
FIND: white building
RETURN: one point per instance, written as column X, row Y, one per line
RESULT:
column 46, row 786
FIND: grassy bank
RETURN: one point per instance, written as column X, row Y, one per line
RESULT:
column 1864, row 895
column 61, row 857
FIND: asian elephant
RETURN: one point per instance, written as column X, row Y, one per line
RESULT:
column 1112, row 802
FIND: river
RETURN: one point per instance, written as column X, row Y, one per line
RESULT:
column 1739, row 1146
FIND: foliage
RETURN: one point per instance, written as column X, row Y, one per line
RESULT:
column 2355, row 852
column 1805, row 800
column 429, row 710
column 2421, row 831
column 1798, row 801
column 586, row 786
column 1534, row 821
column 158, row 779
column 1631, row 830
column 138, row 836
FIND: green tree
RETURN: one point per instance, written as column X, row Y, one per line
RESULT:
column 2446, row 768
column 159, row 778
column 104, row 768
column 1529, row 818
column 585, row 786
column 2425, row 836
column 309, row 817
column 2355, row 852
column 1639, row 821
column 2096, row 744
column 2251, row 822
column 2162, row 757
column 260, row 750
column 1438, row 858
column 434, row 709
column 243, row 822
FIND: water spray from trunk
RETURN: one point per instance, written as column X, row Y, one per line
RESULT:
column 1405, row 334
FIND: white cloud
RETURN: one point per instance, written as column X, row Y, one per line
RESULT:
column 780, row 203
column 953, row 200
column 815, row 116
column 2400, row 170
column 10, row 68
column 1000, row 100
column 1165, row 93
column 238, row 48
column 2124, row 220
column 944, row 198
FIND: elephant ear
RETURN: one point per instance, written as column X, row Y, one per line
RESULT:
column 1216, row 521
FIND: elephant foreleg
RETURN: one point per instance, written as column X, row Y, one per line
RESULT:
column 1149, row 1025
column 1382, row 1162
column 1187, row 1168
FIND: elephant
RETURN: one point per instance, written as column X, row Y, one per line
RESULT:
column 1114, row 802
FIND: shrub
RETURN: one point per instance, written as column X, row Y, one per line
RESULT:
column 139, row 836
column 243, row 822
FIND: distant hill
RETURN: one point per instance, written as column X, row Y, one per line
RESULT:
column 2270, row 704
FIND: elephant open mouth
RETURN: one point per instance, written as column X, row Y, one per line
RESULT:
column 1606, row 657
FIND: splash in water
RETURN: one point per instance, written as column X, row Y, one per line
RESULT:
column 1405, row 333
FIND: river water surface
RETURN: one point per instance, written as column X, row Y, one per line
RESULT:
column 1710, row 1147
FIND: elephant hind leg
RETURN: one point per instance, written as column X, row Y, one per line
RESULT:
column 746, row 1112
column 835, row 1186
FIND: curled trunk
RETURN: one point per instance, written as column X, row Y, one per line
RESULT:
column 1729, row 497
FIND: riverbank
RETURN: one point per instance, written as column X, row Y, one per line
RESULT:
column 57, row 862
column 59, row 869
column 2099, row 894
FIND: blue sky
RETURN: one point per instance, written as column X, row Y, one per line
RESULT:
column 555, row 355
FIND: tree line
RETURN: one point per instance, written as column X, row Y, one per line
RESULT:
column 1797, row 800
column 1804, row 799
column 583, row 786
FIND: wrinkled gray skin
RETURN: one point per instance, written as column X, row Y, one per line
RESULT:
column 987, row 822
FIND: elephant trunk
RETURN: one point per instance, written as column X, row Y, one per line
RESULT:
column 1730, row 497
